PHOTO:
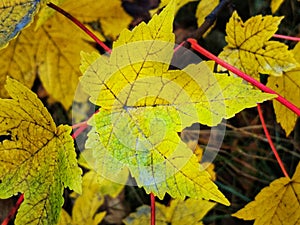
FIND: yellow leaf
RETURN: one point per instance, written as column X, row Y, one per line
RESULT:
column 85, row 210
column 198, row 151
column 178, row 4
column 204, row 8
column 14, row 16
column 37, row 158
column 288, row 85
column 179, row 212
column 53, row 51
column 250, row 50
column 46, row 13
column 277, row 204
column 275, row 4
column 144, row 105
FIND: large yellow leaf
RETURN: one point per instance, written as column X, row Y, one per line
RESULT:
column 14, row 16
column 277, row 204
column 250, row 50
column 37, row 158
column 144, row 105
column 179, row 212
column 288, row 85
column 53, row 51
column 86, row 205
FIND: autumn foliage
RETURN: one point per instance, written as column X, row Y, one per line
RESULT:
column 141, row 103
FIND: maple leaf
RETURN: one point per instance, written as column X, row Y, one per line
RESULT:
column 53, row 50
column 14, row 16
column 250, row 50
column 86, row 205
column 277, row 204
column 37, row 158
column 288, row 85
column 144, row 105
column 179, row 212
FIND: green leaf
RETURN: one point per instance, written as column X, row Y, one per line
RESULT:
column 37, row 158
column 144, row 105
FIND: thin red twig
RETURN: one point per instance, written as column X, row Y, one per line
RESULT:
column 80, row 25
column 13, row 210
column 286, row 37
column 79, row 130
column 152, row 197
column 270, row 141
column 249, row 79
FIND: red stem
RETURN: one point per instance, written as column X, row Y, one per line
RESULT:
column 251, row 80
column 270, row 141
column 13, row 210
column 286, row 37
column 152, row 197
column 80, row 25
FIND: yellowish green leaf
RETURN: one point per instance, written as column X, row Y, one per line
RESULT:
column 179, row 212
column 86, row 205
column 250, row 50
column 106, row 186
column 288, row 85
column 37, row 158
column 144, row 105
column 204, row 8
column 275, row 4
column 14, row 16
column 277, row 204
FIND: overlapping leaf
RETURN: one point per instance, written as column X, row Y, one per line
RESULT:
column 288, row 85
column 86, row 205
column 277, row 204
column 144, row 105
column 179, row 212
column 250, row 50
column 105, row 186
column 37, row 158
column 53, row 50
column 14, row 16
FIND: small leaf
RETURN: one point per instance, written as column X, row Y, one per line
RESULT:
column 15, row 16
column 288, row 85
column 204, row 8
column 38, row 159
column 277, row 204
column 85, row 209
column 250, row 50
column 179, row 212
column 275, row 4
